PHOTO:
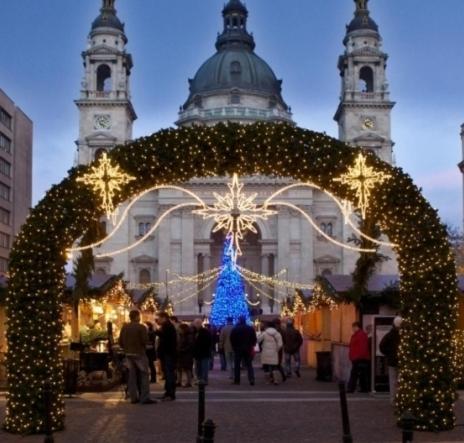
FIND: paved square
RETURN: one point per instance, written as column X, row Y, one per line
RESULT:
column 300, row 410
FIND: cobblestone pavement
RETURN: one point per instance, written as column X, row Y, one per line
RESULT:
column 300, row 411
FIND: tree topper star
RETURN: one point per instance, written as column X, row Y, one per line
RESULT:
column 106, row 179
column 362, row 179
column 236, row 213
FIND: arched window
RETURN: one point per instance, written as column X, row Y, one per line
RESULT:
column 144, row 276
column 144, row 228
column 104, row 78
column 99, row 153
column 103, row 228
column 366, row 79
column 323, row 228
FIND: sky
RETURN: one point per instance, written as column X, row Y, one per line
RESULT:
column 41, row 70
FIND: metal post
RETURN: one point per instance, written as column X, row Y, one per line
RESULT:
column 407, row 423
column 201, row 408
column 209, row 429
column 347, row 438
column 48, row 425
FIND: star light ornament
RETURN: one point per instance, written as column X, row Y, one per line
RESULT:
column 362, row 179
column 235, row 213
column 106, row 179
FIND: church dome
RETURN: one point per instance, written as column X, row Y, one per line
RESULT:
column 234, row 68
column 108, row 17
column 362, row 20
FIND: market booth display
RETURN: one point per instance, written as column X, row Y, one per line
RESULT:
column 87, row 359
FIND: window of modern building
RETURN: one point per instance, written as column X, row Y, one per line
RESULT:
column 5, row 143
column 5, row 118
column 4, row 240
column 5, row 167
column 3, row 265
column 144, row 228
column 5, row 216
column 5, row 192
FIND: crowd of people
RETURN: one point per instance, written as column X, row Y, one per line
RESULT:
column 185, row 353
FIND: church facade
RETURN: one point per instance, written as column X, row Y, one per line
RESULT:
column 235, row 85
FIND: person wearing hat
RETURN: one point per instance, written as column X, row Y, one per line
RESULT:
column 389, row 347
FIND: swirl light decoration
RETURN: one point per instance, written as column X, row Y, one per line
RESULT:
column 428, row 276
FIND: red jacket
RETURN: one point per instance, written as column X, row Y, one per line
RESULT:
column 359, row 346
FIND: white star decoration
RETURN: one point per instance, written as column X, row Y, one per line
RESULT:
column 105, row 180
column 362, row 179
column 236, row 213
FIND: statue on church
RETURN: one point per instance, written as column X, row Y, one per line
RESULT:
column 361, row 4
column 108, row 4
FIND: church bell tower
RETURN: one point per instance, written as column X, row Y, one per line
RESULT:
column 105, row 107
column 364, row 112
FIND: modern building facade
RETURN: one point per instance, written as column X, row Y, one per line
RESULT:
column 235, row 84
column 15, row 174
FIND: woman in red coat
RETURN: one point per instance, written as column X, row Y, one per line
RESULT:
column 360, row 359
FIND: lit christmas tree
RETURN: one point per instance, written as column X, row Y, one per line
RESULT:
column 230, row 292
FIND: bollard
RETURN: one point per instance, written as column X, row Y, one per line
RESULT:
column 201, row 408
column 407, row 423
column 209, row 428
column 347, row 438
column 48, row 425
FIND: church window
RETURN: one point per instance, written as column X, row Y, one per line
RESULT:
column 236, row 70
column 326, row 272
column 104, row 78
column 144, row 276
column 197, row 101
column 103, row 228
column 366, row 79
column 99, row 153
column 100, row 272
column 235, row 99
column 144, row 228
column 235, row 22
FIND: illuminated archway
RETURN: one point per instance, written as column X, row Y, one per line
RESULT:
column 428, row 282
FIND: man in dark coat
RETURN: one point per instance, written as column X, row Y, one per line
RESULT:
column 167, row 353
column 292, row 344
column 360, row 358
column 389, row 347
column 243, row 340
column 202, row 350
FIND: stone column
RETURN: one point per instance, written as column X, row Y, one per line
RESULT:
column 164, row 249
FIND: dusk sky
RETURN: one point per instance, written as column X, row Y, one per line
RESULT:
column 41, row 69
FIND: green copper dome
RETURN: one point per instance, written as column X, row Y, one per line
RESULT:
column 235, row 66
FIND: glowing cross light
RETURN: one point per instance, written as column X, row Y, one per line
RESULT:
column 106, row 179
column 236, row 213
column 362, row 179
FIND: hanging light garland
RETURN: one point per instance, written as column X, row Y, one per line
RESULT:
column 428, row 287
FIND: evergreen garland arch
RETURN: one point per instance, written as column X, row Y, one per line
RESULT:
column 173, row 156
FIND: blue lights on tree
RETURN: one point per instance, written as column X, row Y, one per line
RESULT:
column 230, row 292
